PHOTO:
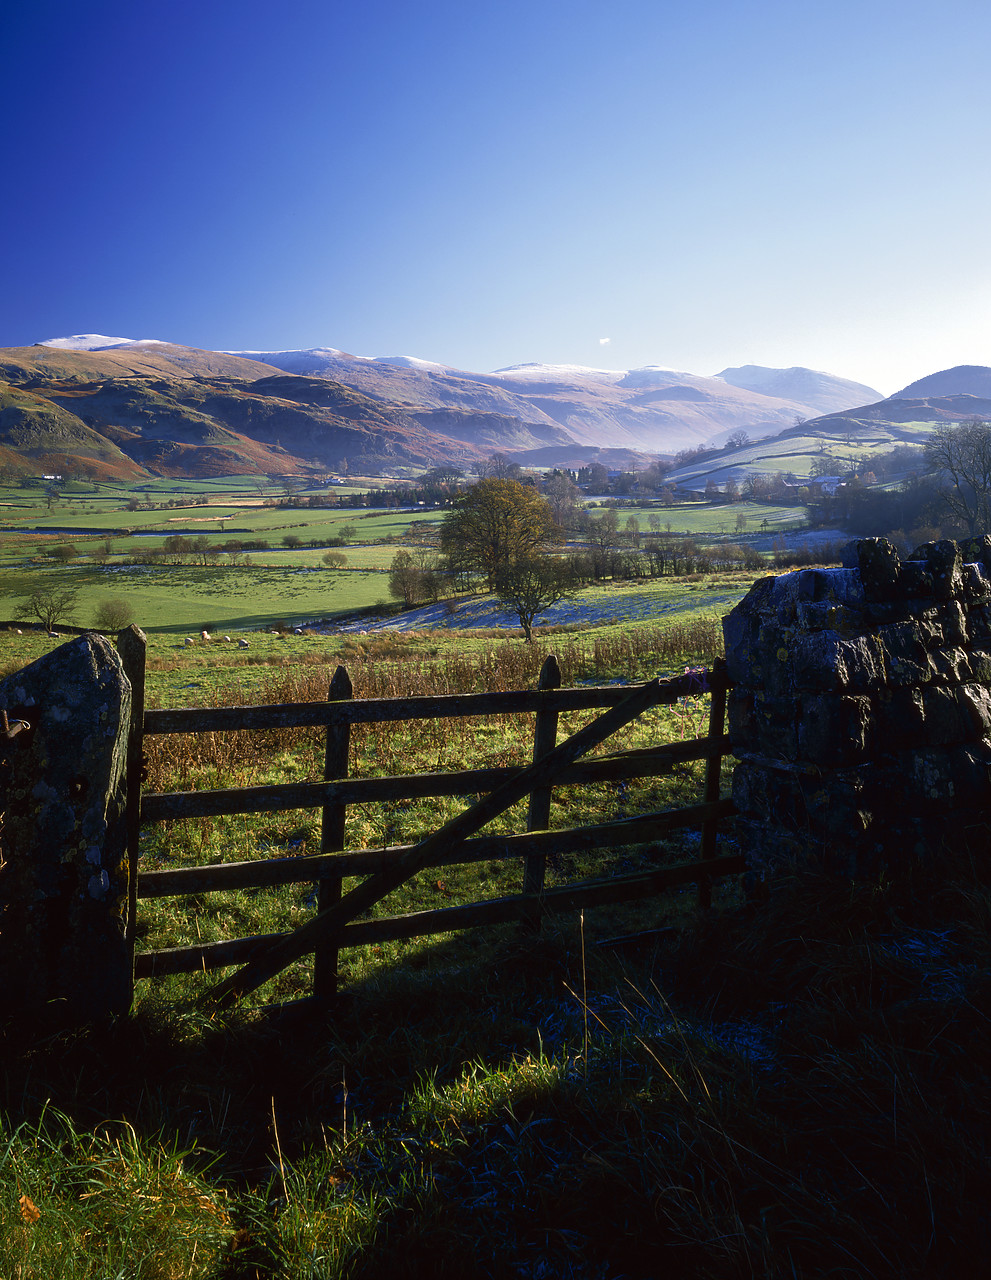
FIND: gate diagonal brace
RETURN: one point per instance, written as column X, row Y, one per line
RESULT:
column 285, row 950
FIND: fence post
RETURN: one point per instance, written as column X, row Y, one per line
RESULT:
column 713, row 769
column 336, row 759
column 132, row 646
column 544, row 741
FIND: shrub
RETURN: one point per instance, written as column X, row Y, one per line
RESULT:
column 112, row 615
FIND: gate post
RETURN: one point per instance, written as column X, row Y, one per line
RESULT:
column 63, row 869
column 713, row 768
column 544, row 740
column 336, row 757
column 132, row 645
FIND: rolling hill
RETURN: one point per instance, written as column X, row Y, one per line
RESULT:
column 849, row 438
column 143, row 406
column 45, row 363
column 963, row 379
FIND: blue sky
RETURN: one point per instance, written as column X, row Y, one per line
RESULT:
column 480, row 183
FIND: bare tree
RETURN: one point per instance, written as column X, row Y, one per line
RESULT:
column 532, row 584
column 49, row 606
column 405, row 580
column 602, row 531
column 498, row 466
column 564, row 497
column 963, row 455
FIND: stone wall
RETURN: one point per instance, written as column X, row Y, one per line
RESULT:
column 63, row 838
column 861, row 713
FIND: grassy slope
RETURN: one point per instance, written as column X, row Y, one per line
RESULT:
column 796, row 1089
column 846, row 440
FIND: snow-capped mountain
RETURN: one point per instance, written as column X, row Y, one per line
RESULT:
column 315, row 359
column 822, row 391
column 321, row 402
column 99, row 342
column 652, row 408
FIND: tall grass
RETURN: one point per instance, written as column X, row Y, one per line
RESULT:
column 104, row 1202
column 394, row 665
column 391, row 664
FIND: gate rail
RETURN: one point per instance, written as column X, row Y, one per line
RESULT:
column 334, row 925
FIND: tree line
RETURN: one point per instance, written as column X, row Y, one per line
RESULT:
column 511, row 539
column 948, row 497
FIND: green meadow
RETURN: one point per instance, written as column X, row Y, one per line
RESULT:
column 104, row 545
column 716, row 520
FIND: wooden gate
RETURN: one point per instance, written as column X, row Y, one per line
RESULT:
column 335, row 924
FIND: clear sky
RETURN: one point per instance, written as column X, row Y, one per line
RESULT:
column 486, row 182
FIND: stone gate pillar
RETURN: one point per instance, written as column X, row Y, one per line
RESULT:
column 861, row 713
column 63, row 878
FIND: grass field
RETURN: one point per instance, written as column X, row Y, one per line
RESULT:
column 174, row 601
column 180, row 599
column 704, row 519
column 262, row 588
column 794, row 1088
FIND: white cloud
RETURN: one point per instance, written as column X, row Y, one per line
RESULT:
column 604, row 342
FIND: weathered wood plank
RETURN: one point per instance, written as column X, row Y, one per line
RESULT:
column 644, row 763
column 292, row 715
column 270, row 873
column 564, row 898
column 202, row 957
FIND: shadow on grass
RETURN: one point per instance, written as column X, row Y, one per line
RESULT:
column 794, row 1089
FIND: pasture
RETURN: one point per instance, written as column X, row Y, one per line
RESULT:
column 90, row 542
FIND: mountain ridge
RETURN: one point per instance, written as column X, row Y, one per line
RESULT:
column 961, row 379
column 160, row 406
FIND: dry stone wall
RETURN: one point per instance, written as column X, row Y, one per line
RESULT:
column 63, row 838
column 861, row 712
